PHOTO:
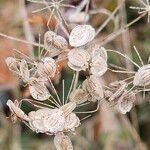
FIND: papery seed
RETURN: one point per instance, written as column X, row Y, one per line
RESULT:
column 62, row 142
column 81, row 35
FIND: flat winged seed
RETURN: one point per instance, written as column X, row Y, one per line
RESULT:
column 97, row 50
column 119, row 88
column 37, row 117
column 47, row 120
column 47, row 67
column 78, row 96
column 24, row 71
column 62, row 142
column 125, row 102
column 103, row 53
column 142, row 77
column 78, row 59
column 71, row 122
column 94, row 87
column 98, row 66
column 16, row 110
column 68, row 108
column 12, row 64
column 53, row 42
column 38, row 90
column 55, row 122
column 81, row 35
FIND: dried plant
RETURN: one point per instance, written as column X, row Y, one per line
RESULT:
column 145, row 8
column 57, row 116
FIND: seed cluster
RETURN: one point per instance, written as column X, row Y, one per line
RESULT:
column 55, row 116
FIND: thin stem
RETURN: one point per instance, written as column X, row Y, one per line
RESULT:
column 139, row 56
column 81, row 6
column 83, row 104
column 38, row 2
column 54, row 102
column 27, row 125
column 55, row 91
column 23, row 55
column 71, row 86
column 36, row 103
column 63, row 19
column 128, row 78
column 68, row 6
column 108, row 19
column 20, row 40
column 125, row 56
column 88, row 112
column 41, row 9
column 113, row 35
column 50, row 17
column 76, row 80
column 63, row 91
column 117, row 67
column 41, row 52
column 39, row 48
column 86, row 11
column 85, row 118
column 120, row 71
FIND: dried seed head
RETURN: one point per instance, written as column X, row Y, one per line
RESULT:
column 98, row 66
column 79, row 96
column 47, row 68
column 47, row 120
column 143, row 9
column 62, row 142
column 12, row 64
column 38, row 90
column 125, row 102
column 71, row 122
column 68, row 108
column 81, row 35
column 78, row 59
column 117, row 88
column 94, row 87
column 142, row 77
column 52, row 41
column 16, row 110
